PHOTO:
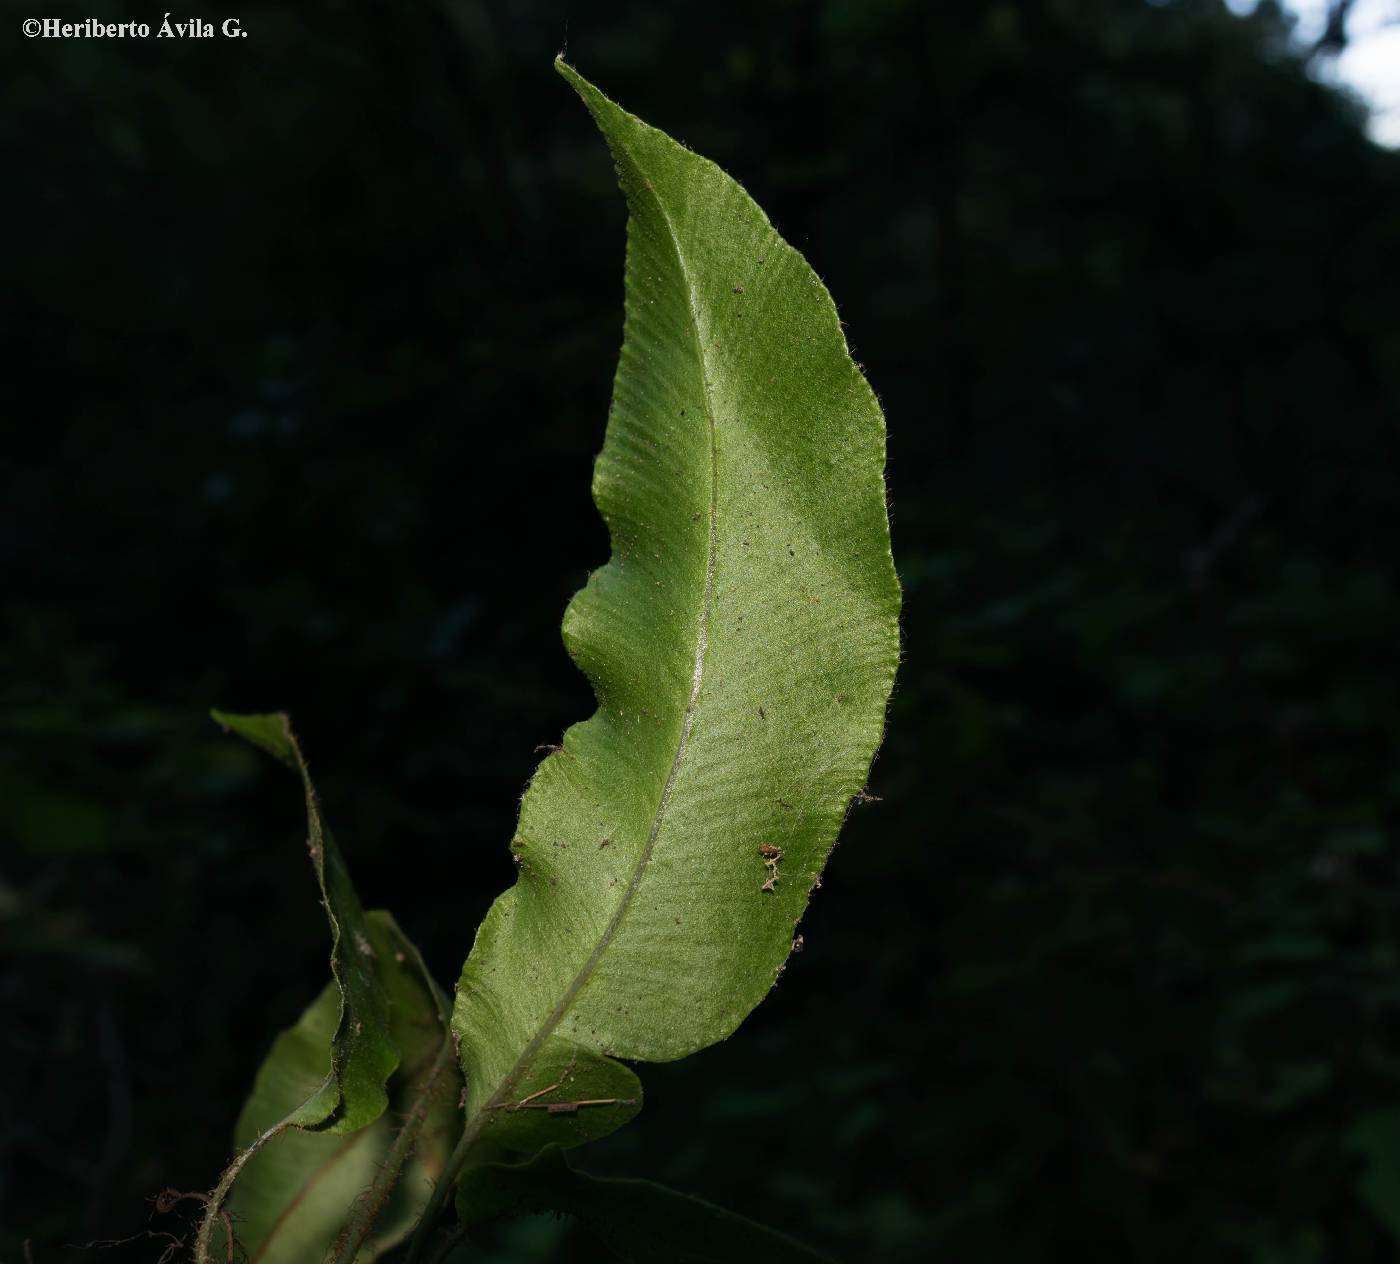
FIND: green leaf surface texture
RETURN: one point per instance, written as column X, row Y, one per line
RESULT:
column 363, row 1053
column 741, row 642
column 641, row 1222
column 302, row 1188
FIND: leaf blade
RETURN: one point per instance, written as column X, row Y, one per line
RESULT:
column 640, row 1221
column 363, row 1052
column 313, row 1148
column 741, row 642
column 304, row 1191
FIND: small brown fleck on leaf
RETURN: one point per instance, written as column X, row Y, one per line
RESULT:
column 771, row 856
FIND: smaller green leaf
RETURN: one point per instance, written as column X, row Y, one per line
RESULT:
column 293, row 1193
column 330, row 1072
column 363, row 1055
column 640, row 1221
column 305, row 1192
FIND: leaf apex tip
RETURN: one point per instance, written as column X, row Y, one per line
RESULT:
column 570, row 74
column 272, row 731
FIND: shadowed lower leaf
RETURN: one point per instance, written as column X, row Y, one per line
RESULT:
column 317, row 1161
column 363, row 1052
column 640, row 1221
column 305, row 1192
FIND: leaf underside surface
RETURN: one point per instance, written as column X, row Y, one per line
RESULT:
column 742, row 644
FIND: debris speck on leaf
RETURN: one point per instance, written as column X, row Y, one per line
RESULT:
column 771, row 856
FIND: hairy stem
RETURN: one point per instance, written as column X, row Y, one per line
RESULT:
column 213, row 1207
column 443, row 1190
column 366, row 1213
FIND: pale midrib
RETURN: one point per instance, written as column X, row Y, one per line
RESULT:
column 506, row 1087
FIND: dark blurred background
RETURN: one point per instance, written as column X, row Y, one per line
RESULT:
column 312, row 339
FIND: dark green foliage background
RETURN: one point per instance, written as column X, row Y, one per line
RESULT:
column 314, row 334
